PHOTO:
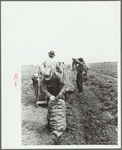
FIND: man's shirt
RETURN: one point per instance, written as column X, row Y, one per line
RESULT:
column 54, row 86
column 52, row 62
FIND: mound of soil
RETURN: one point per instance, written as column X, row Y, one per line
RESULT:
column 89, row 121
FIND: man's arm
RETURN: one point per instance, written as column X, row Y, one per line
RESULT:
column 63, row 83
column 73, row 64
column 58, row 68
column 44, row 90
column 81, row 63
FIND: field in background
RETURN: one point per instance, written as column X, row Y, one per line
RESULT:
column 91, row 115
column 106, row 68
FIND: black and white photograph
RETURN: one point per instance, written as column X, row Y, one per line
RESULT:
column 61, row 74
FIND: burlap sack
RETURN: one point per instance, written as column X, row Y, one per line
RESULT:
column 57, row 116
column 68, row 80
column 36, row 84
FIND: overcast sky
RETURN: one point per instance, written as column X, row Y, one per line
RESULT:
column 72, row 29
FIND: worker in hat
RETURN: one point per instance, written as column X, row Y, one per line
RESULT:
column 79, row 63
column 53, row 84
column 54, row 88
column 52, row 62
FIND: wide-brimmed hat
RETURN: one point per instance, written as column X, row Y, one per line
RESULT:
column 51, row 53
column 80, row 59
column 47, row 73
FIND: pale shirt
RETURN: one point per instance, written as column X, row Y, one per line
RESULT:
column 52, row 63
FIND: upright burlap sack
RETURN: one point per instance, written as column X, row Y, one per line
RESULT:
column 57, row 116
column 36, row 83
column 68, row 79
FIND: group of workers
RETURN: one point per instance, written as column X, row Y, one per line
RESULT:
column 53, row 80
column 52, row 84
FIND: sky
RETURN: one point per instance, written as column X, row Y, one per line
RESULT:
column 90, row 30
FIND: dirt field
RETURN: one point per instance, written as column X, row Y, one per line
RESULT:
column 91, row 115
column 109, row 68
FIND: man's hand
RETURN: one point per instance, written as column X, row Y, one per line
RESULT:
column 51, row 101
column 61, row 95
column 52, row 97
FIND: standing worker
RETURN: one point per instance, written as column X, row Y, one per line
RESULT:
column 52, row 62
column 80, row 73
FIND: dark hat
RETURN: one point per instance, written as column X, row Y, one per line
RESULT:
column 51, row 53
column 80, row 59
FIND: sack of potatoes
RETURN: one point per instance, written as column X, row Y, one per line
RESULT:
column 57, row 116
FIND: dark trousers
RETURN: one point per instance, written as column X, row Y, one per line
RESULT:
column 79, row 81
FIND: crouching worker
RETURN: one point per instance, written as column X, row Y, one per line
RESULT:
column 54, row 87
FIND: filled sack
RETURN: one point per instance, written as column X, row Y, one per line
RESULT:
column 57, row 116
